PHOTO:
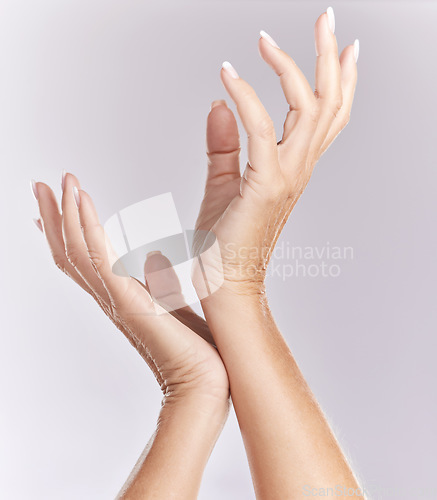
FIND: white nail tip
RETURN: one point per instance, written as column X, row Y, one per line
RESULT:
column 64, row 173
column 230, row 69
column 268, row 38
column 356, row 49
column 331, row 18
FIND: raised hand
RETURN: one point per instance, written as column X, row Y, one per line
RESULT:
column 247, row 212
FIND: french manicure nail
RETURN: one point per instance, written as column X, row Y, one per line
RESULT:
column 356, row 49
column 268, row 38
column 227, row 66
column 34, row 189
column 64, row 173
column 331, row 18
column 76, row 196
column 38, row 224
column 218, row 102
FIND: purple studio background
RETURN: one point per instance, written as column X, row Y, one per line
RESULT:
column 118, row 93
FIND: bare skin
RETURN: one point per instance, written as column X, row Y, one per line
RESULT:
column 187, row 367
column 288, row 441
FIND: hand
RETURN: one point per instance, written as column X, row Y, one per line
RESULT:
column 247, row 213
column 174, row 346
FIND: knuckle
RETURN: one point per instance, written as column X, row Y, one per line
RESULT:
column 336, row 105
column 72, row 256
column 88, row 227
column 248, row 93
column 265, row 128
column 96, row 258
column 60, row 261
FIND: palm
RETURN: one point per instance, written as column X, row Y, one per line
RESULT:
column 227, row 210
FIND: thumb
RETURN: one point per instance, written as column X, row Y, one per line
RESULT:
column 162, row 281
column 163, row 285
column 222, row 144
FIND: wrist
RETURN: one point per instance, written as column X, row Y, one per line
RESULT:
column 249, row 295
column 212, row 406
column 198, row 380
column 241, row 323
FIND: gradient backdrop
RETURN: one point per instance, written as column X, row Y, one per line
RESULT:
column 118, row 93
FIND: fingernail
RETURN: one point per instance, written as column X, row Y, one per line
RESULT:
column 76, row 196
column 219, row 102
column 38, row 224
column 227, row 66
column 356, row 49
column 34, row 189
column 64, row 173
column 331, row 18
column 268, row 38
column 155, row 252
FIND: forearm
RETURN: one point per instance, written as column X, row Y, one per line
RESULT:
column 288, row 441
column 172, row 464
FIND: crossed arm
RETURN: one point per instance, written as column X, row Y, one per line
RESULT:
column 239, row 349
